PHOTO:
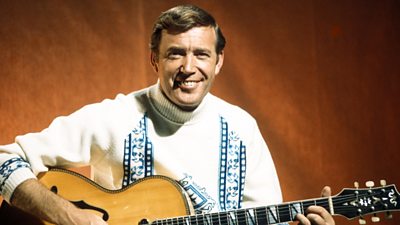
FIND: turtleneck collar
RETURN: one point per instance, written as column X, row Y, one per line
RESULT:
column 169, row 110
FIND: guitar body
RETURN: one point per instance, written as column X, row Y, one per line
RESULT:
column 149, row 198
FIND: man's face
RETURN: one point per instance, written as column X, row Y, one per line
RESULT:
column 187, row 65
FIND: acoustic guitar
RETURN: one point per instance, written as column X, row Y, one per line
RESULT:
column 159, row 200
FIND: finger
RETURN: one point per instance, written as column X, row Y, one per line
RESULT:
column 322, row 213
column 326, row 191
column 302, row 219
column 316, row 219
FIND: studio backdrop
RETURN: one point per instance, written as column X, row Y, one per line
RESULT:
column 321, row 77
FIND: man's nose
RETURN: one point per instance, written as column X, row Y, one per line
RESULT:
column 188, row 65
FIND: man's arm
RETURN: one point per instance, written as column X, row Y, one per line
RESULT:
column 31, row 196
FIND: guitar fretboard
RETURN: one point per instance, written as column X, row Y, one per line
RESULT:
column 253, row 216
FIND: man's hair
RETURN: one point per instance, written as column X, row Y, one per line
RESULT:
column 181, row 19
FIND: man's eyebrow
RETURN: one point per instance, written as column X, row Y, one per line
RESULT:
column 181, row 50
column 202, row 50
column 175, row 49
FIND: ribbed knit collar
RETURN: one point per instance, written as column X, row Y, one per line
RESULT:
column 169, row 110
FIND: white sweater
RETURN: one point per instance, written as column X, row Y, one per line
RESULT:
column 216, row 152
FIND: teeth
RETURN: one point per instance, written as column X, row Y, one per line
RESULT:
column 188, row 83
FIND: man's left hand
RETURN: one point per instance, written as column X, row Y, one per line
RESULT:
column 317, row 215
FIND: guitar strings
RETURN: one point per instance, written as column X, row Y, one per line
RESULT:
column 223, row 217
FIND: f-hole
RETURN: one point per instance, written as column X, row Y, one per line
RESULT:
column 83, row 205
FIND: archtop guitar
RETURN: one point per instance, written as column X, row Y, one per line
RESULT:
column 159, row 200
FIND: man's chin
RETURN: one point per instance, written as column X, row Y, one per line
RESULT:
column 186, row 101
column 187, row 105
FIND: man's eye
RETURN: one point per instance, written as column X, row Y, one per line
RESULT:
column 174, row 55
column 203, row 55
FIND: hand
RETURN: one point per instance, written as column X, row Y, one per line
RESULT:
column 80, row 216
column 317, row 215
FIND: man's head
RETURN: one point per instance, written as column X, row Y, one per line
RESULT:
column 183, row 18
column 186, row 53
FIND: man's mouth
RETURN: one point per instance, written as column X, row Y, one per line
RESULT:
column 188, row 83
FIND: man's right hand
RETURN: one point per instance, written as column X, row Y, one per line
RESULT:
column 79, row 216
column 31, row 196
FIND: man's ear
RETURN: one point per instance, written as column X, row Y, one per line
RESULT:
column 220, row 62
column 154, row 61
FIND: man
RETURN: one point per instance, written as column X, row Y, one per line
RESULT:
column 174, row 128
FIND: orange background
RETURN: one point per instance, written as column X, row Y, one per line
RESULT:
column 321, row 77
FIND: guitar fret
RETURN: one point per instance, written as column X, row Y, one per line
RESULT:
column 176, row 221
column 199, row 221
column 241, row 217
column 323, row 202
column 181, row 221
column 224, row 218
column 193, row 220
column 250, row 217
column 272, row 214
column 169, row 222
column 294, row 209
column 232, row 218
column 283, row 212
column 215, row 219
column 185, row 220
column 307, row 204
column 207, row 219
column 261, row 215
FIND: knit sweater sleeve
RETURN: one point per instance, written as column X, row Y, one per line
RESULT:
column 69, row 141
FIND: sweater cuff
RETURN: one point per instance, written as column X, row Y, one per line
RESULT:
column 14, row 179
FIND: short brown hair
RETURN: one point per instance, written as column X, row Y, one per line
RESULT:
column 181, row 19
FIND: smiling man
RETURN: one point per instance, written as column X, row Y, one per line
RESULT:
column 174, row 128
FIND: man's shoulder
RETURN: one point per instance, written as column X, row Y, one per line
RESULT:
column 134, row 98
column 121, row 102
column 135, row 95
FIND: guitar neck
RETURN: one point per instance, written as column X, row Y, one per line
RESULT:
column 350, row 203
column 272, row 214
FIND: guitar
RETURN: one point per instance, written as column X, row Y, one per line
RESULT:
column 159, row 200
